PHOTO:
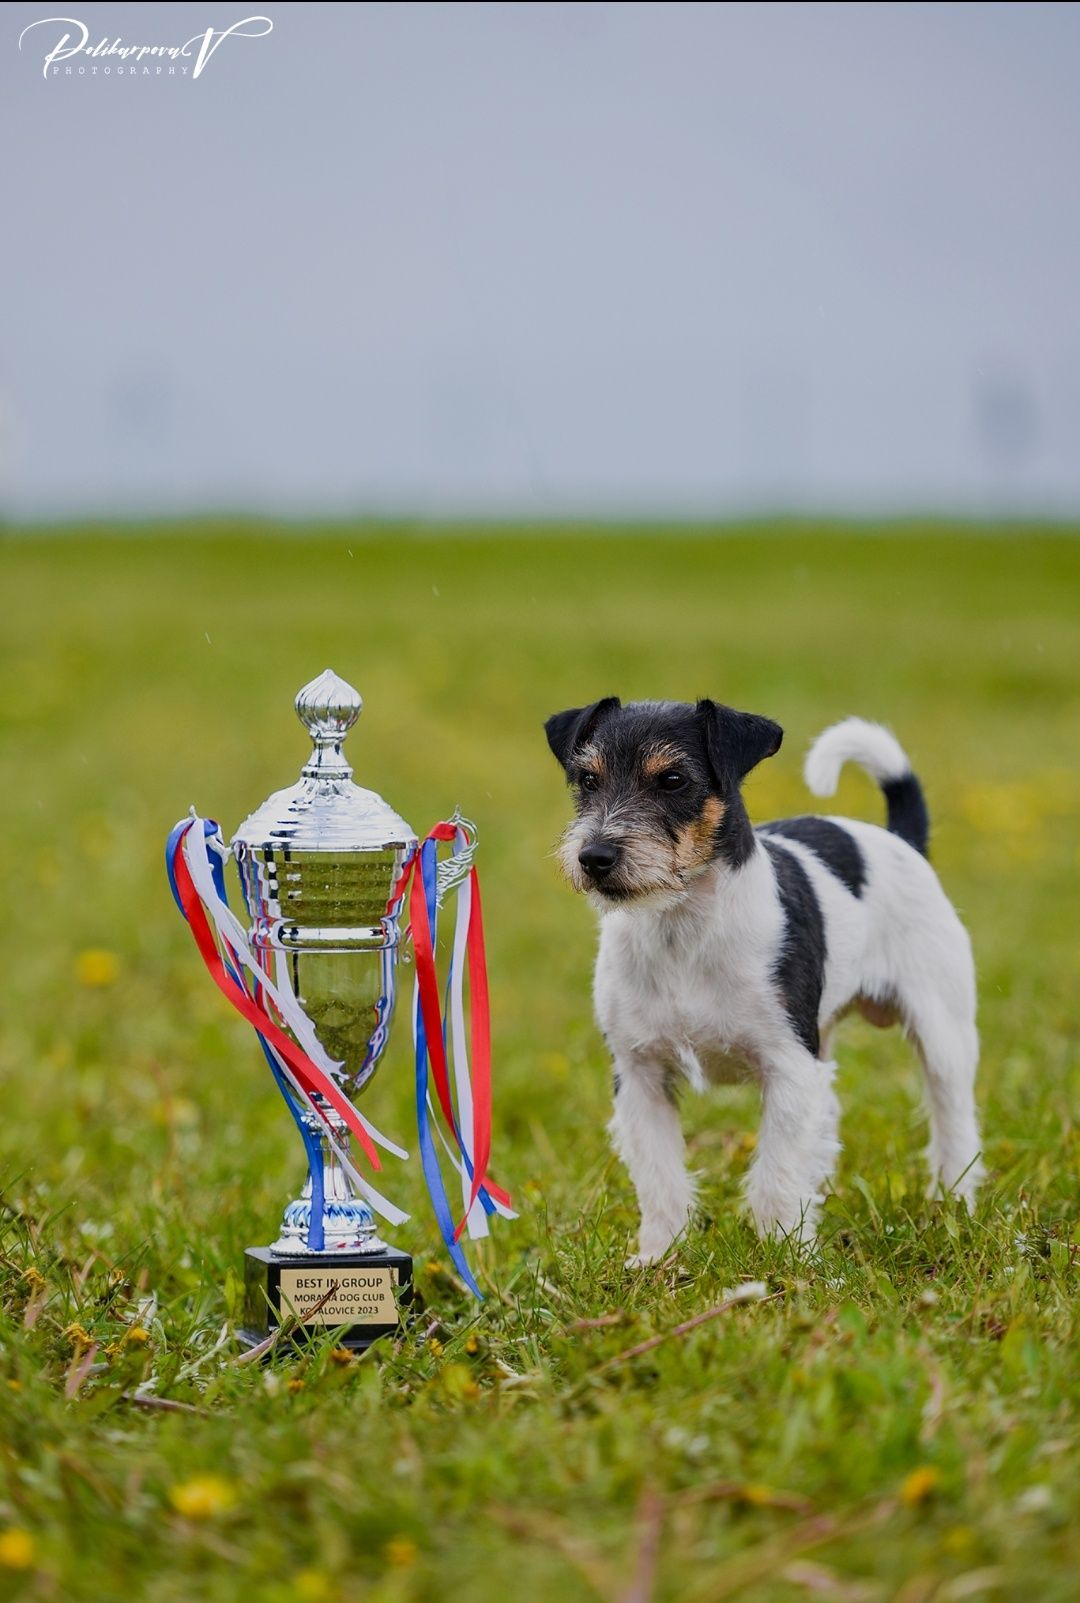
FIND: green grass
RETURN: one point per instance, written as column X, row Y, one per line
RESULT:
column 765, row 1454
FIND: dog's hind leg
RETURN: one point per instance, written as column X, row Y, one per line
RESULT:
column 948, row 1045
column 648, row 1137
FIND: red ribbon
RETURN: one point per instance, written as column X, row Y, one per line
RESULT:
column 310, row 1076
column 481, row 1053
column 427, row 982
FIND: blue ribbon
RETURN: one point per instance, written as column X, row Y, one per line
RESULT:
column 316, row 1236
column 172, row 846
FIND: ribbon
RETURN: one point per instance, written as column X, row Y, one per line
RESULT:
column 233, row 937
column 470, row 1127
column 198, row 882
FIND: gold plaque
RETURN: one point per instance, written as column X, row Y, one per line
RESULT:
column 323, row 1295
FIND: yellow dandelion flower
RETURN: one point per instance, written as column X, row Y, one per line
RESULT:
column 435, row 1347
column 472, row 1343
column 340, row 1355
column 312, row 1586
column 96, row 967
column 917, row 1487
column 203, row 1497
column 295, row 1384
column 757, row 1495
column 79, row 1336
column 137, row 1336
column 17, row 1549
column 400, row 1552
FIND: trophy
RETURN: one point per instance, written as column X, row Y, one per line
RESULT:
column 323, row 867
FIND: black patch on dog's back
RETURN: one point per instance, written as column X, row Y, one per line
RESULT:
column 836, row 847
column 800, row 967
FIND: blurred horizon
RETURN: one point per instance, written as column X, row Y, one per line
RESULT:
column 545, row 262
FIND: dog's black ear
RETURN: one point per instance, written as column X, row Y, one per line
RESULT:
column 736, row 741
column 568, row 730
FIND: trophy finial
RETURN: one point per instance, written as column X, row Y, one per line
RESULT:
column 328, row 707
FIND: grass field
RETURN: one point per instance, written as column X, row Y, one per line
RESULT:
column 897, row 1422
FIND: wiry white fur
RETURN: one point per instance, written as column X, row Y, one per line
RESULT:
column 872, row 746
column 685, row 991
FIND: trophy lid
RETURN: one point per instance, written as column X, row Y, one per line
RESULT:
column 324, row 810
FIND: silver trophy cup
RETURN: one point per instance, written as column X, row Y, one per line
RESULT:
column 321, row 867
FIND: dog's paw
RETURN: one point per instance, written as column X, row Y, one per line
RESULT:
column 650, row 1254
column 644, row 1260
column 658, row 1240
column 799, row 1229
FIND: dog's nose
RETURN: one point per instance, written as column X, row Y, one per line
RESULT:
column 598, row 859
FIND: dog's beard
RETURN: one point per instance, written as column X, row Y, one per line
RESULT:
column 647, row 866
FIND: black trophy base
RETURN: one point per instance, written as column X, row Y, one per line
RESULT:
column 361, row 1295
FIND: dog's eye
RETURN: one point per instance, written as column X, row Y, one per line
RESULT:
column 672, row 780
column 589, row 781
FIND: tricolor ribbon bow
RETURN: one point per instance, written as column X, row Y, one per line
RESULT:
column 309, row 1079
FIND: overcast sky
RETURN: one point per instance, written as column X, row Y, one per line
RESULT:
column 543, row 258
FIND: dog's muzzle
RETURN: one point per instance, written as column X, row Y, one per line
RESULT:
column 598, row 859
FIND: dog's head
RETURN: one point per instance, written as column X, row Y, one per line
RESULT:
column 656, row 787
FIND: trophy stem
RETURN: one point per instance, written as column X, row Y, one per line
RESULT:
column 327, row 1200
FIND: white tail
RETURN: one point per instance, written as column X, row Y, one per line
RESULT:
column 872, row 746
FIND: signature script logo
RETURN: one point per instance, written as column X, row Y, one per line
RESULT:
column 188, row 59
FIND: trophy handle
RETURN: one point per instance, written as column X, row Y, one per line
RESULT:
column 452, row 870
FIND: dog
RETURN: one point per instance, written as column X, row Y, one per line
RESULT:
column 727, row 949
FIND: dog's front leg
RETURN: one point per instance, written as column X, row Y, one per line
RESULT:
column 648, row 1137
column 797, row 1144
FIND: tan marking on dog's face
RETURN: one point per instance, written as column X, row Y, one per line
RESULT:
column 659, row 759
column 590, row 760
column 696, row 845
